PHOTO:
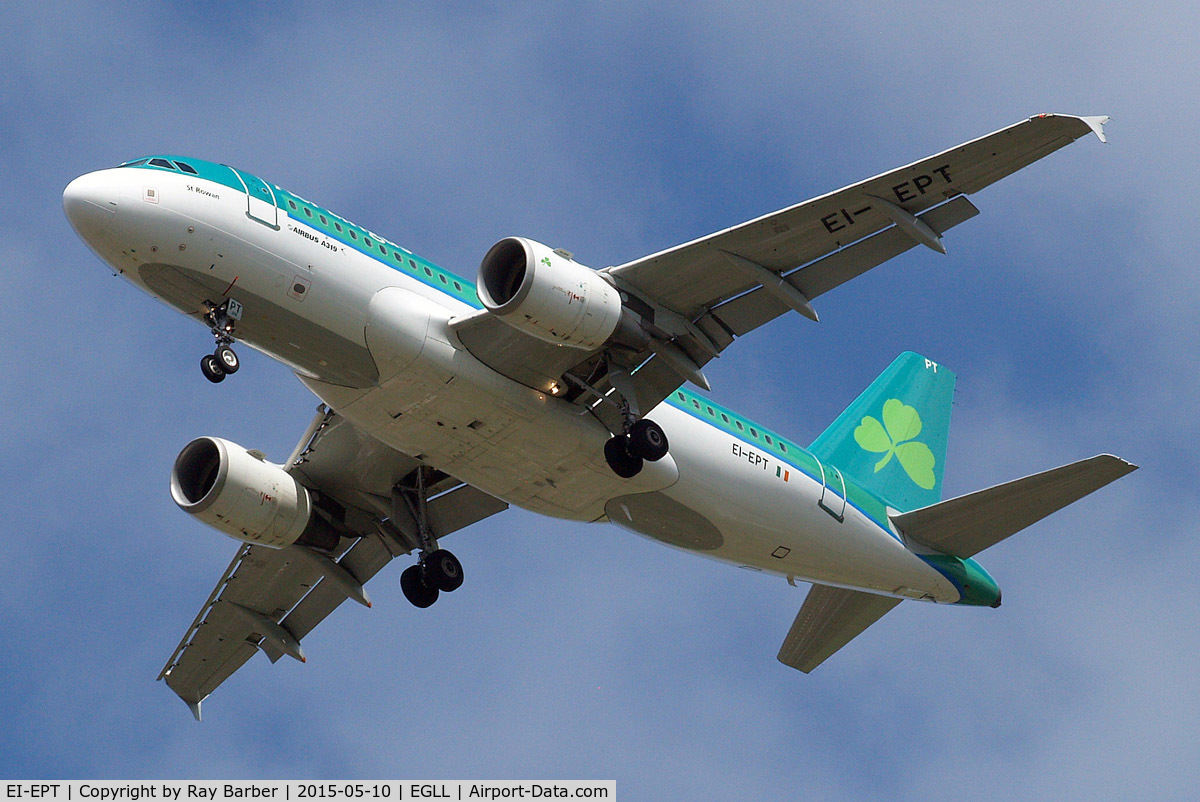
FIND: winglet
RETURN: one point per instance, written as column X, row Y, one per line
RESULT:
column 1097, row 125
column 194, row 707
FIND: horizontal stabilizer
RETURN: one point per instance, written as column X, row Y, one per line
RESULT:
column 967, row 525
column 830, row 618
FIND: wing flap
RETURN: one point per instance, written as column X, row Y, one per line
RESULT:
column 966, row 525
column 829, row 619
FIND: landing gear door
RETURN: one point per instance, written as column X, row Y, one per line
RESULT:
column 261, row 204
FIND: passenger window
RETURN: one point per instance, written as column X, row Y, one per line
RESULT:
column 367, row 242
column 412, row 264
column 187, row 168
column 308, row 211
column 457, row 286
column 724, row 417
column 292, row 205
column 162, row 163
column 783, row 448
column 739, row 424
column 338, row 226
column 442, row 276
column 753, row 433
column 710, row 411
column 324, row 222
column 769, row 441
column 353, row 234
column 681, row 396
column 429, row 272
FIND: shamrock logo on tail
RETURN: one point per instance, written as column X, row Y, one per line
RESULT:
column 895, row 437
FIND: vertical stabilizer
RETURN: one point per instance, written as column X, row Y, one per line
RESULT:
column 892, row 438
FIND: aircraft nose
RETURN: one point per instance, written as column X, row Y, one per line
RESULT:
column 90, row 203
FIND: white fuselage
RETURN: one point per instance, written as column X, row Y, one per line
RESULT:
column 373, row 343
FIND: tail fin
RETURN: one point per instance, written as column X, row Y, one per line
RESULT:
column 892, row 438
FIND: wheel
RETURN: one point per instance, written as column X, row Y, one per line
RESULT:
column 412, row 583
column 227, row 359
column 211, row 369
column 616, row 454
column 443, row 571
column 647, row 440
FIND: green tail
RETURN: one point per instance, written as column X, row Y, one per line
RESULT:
column 892, row 439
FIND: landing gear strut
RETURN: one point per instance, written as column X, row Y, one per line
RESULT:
column 438, row 571
column 223, row 361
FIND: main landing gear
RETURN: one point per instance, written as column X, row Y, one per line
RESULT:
column 223, row 361
column 438, row 571
column 643, row 441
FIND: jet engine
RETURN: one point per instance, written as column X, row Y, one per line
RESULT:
column 241, row 494
column 548, row 295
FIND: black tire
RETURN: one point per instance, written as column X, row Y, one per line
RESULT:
column 443, row 571
column 227, row 359
column 648, row 441
column 211, row 369
column 418, row 593
column 616, row 454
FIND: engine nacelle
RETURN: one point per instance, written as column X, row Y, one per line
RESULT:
column 246, row 497
column 548, row 295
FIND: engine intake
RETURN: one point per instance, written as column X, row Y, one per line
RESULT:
column 548, row 295
column 246, row 497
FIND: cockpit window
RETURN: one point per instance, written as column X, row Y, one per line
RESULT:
column 135, row 163
column 187, row 168
column 161, row 163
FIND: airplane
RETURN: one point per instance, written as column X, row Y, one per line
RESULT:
column 562, row 390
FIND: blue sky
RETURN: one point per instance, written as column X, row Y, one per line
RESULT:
column 1068, row 309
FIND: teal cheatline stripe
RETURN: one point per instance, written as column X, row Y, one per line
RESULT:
column 210, row 171
column 333, row 226
column 783, row 449
column 378, row 248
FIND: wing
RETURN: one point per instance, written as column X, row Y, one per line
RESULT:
column 269, row 599
column 830, row 618
column 698, row 297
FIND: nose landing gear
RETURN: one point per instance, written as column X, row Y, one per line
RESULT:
column 223, row 361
